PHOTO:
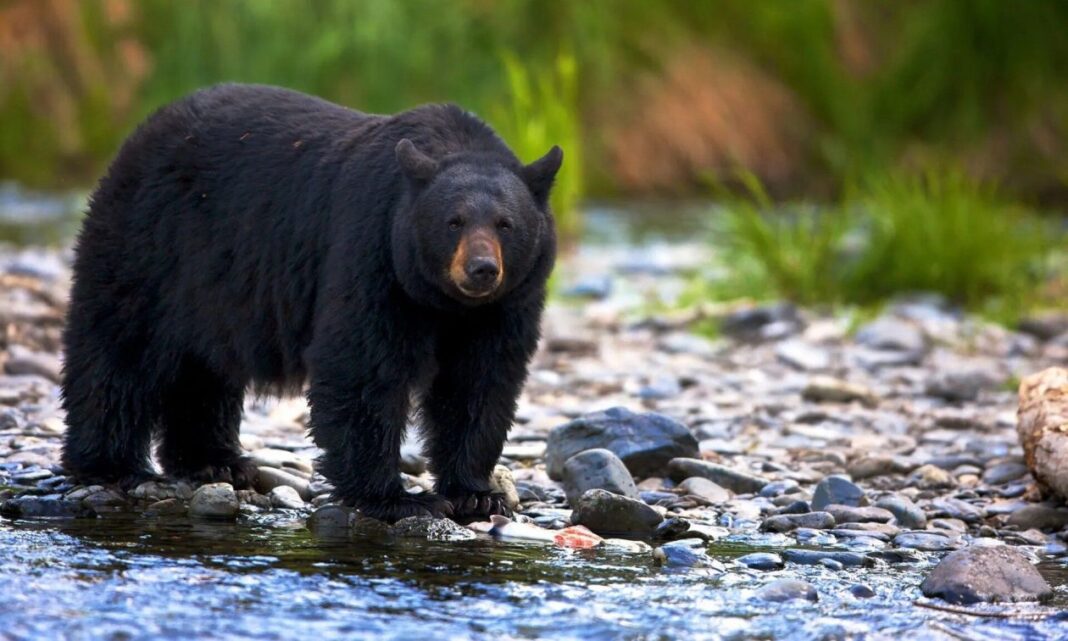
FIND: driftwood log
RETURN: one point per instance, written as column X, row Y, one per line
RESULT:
column 1042, row 424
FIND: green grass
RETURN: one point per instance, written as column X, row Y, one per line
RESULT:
column 933, row 232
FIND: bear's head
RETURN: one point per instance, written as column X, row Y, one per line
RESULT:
column 474, row 226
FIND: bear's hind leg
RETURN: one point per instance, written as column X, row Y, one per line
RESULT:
column 110, row 417
column 201, row 423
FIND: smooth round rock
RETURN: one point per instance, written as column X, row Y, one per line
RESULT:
column 788, row 590
column 817, row 557
column 908, row 514
column 214, row 501
column 737, row 481
column 787, row 522
column 926, row 541
column 268, row 478
column 685, row 553
column 597, row 469
column 285, row 497
column 761, row 561
column 837, row 490
column 986, row 573
column 610, row 514
column 706, row 489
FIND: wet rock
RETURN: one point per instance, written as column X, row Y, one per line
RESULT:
column 597, row 469
column 787, row 522
column 803, row 355
column 159, row 490
column 502, row 482
column 931, row 477
column 736, row 481
column 166, row 507
column 49, row 506
column 826, row 389
column 958, row 509
column 986, row 573
column 925, row 541
column 644, row 442
column 431, row 529
column 892, row 334
column 268, row 478
column 686, row 553
column 1040, row 517
column 861, row 591
column 105, row 498
column 22, row 361
column 780, row 488
column 874, row 465
column 285, row 497
column 817, row 557
column 761, row 561
column 214, row 501
column 853, row 514
column 837, row 490
column 795, row 507
column 787, row 590
column 1042, row 415
column 606, row 513
column 706, row 489
column 1004, row 472
column 332, row 518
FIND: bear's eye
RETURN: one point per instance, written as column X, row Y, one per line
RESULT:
column 456, row 224
column 504, row 225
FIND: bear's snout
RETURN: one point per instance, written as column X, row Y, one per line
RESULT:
column 477, row 269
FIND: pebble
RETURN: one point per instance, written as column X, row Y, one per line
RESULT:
column 892, row 334
column 1004, row 472
column 685, row 553
column 802, row 355
column 908, row 514
column 851, row 514
column 837, row 490
column 861, row 591
column 736, row 481
column 957, row 509
column 214, row 501
column 760, row 322
column 788, row 590
column 22, row 361
column 644, row 442
column 875, row 465
column 332, row 518
column 268, row 478
column 826, row 389
column 610, row 514
column 986, row 574
column 706, row 489
column 932, row 477
column 925, row 541
column 597, row 469
column 285, row 497
column 787, row 522
column 761, row 561
column 816, row 557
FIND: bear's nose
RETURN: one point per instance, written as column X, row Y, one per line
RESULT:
column 482, row 271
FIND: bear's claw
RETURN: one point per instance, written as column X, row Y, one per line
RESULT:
column 479, row 505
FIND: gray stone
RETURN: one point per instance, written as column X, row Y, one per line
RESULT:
column 105, row 498
column 736, row 481
column 803, row 355
column 873, row 465
column 431, row 529
column 332, row 518
column 214, row 501
column 761, row 322
column 931, row 477
column 826, row 389
column 861, row 591
column 611, row 514
column 958, row 509
column 761, row 561
column 49, row 506
column 908, row 514
column 817, row 557
column 837, row 490
column 853, row 514
column 1040, row 517
column 23, row 361
column 685, row 553
column 165, row 507
column 892, row 334
column 706, row 489
column 1002, row 473
column 644, row 442
column 960, row 384
column 597, row 469
column 787, row 522
column 787, row 590
column 285, row 497
column 926, row 541
column 986, row 573
column 268, row 478
column 280, row 459
column 160, row 490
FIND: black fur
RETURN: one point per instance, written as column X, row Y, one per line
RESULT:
column 254, row 236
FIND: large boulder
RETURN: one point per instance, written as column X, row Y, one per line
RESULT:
column 644, row 442
column 986, row 573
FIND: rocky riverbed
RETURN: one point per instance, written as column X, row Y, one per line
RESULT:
column 841, row 455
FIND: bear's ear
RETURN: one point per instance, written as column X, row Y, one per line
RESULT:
column 539, row 175
column 415, row 164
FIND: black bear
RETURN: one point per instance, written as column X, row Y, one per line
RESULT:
column 256, row 236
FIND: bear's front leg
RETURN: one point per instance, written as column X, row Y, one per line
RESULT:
column 360, row 428
column 471, row 404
